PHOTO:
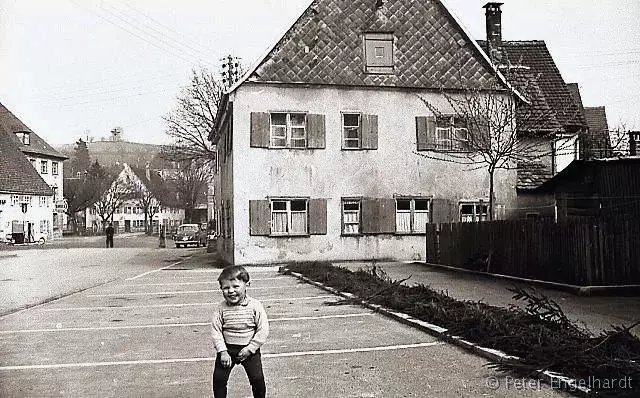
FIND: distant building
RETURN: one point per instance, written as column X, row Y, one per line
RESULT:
column 45, row 160
column 130, row 216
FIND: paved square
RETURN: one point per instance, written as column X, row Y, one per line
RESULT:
column 149, row 336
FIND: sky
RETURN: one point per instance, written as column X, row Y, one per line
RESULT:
column 79, row 68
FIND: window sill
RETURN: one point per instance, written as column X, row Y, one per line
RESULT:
column 289, row 235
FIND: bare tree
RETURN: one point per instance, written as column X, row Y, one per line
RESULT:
column 619, row 137
column 491, row 129
column 191, row 186
column 83, row 191
column 149, row 197
column 112, row 197
column 193, row 119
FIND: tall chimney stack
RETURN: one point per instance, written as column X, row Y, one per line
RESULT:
column 494, row 29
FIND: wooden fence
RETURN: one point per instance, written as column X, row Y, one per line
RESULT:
column 586, row 253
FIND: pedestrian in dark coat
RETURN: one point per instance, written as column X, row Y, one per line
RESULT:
column 109, row 232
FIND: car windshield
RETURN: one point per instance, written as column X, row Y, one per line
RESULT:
column 188, row 228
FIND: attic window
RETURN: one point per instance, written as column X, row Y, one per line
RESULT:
column 24, row 137
column 378, row 51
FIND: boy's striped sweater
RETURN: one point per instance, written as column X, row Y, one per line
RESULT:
column 244, row 324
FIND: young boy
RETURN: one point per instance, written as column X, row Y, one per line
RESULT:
column 240, row 328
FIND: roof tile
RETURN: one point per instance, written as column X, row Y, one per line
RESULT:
column 17, row 175
column 325, row 46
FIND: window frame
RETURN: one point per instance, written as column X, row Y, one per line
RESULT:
column 24, row 137
column 412, row 211
column 54, row 168
column 289, row 127
column 44, row 167
column 358, row 224
column 476, row 216
column 451, row 126
column 358, row 127
column 289, row 215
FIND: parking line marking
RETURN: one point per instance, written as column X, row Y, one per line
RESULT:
column 175, row 325
column 115, row 307
column 179, row 292
column 152, row 271
column 211, row 359
column 192, row 283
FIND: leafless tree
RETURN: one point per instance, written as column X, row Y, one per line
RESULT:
column 193, row 119
column 493, row 130
column 149, row 197
column 83, row 191
column 191, row 185
column 619, row 137
column 114, row 196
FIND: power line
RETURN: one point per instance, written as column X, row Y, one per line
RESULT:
column 158, row 35
column 191, row 60
column 167, row 27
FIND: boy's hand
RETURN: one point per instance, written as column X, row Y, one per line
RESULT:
column 225, row 359
column 243, row 354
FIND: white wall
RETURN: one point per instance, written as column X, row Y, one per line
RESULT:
column 35, row 214
column 333, row 173
column 54, row 181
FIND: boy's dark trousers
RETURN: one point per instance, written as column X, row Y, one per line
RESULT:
column 109, row 240
column 253, row 367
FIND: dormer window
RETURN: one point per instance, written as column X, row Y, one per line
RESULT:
column 378, row 53
column 24, row 137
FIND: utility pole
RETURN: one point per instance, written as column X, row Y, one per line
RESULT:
column 230, row 70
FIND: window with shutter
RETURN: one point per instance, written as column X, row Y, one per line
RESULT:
column 412, row 214
column 378, row 53
column 350, row 216
column 289, row 217
column 351, row 131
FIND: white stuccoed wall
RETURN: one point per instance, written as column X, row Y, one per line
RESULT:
column 333, row 173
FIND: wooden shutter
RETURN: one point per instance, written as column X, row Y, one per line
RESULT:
column 260, row 130
column 369, row 131
column 479, row 131
column 259, row 218
column 317, row 216
column 442, row 211
column 315, row 131
column 378, row 215
column 426, row 132
column 369, row 215
column 387, row 216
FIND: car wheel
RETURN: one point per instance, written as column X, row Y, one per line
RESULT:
column 41, row 241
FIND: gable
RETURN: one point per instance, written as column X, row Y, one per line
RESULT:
column 326, row 46
column 11, row 124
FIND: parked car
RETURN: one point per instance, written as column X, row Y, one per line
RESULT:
column 190, row 234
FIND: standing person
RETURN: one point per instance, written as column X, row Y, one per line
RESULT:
column 240, row 328
column 109, row 232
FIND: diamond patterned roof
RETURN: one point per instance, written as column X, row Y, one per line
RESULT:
column 325, row 46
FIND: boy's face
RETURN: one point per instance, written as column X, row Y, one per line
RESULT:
column 234, row 290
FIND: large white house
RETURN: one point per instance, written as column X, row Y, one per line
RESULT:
column 46, row 162
column 26, row 205
column 320, row 144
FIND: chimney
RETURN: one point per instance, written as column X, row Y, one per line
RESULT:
column 494, row 28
